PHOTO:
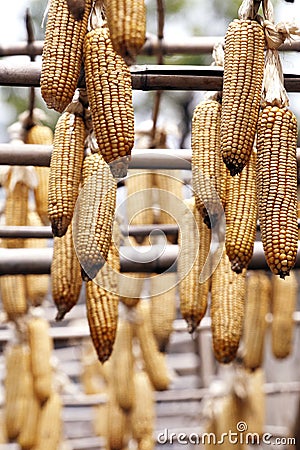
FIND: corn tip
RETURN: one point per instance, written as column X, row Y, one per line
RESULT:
column 59, row 226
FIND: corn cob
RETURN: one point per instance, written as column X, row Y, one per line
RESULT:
column 258, row 292
column 139, row 198
column 41, row 135
column 93, row 219
column 127, row 26
column 227, row 420
column 241, row 216
column 16, row 211
column 91, row 379
column 100, row 420
column 66, row 278
column 242, row 88
column 163, row 307
column 36, row 285
column 277, row 187
column 50, row 424
column 208, row 168
column 109, row 90
column 13, row 296
column 154, row 361
column 3, row 436
column 122, row 366
column 62, row 54
column 131, row 287
column 116, row 424
column 284, row 300
column 253, row 405
column 143, row 413
column 41, row 345
column 76, row 8
column 65, row 171
column 194, row 242
column 227, row 310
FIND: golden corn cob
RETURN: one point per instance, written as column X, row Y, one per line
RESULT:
column 108, row 81
column 194, row 243
column 163, row 307
column 143, row 413
column 66, row 278
column 258, row 293
column 284, row 301
column 116, row 424
column 154, row 361
column 208, row 168
column 62, row 54
column 41, row 135
column 122, row 366
column 41, row 346
column 127, row 26
column 242, row 88
column 227, row 310
column 16, row 211
column 139, row 202
column 277, row 187
column 65, row 171
column 37, row 286
column 13, row 296
column 241, row 215
column 50, row 424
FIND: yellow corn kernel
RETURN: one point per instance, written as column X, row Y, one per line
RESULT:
column 242, row 87
column 143, row 413
column 277, row 187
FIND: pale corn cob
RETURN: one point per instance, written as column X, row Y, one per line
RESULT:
column 143, row 414
column 127, row 25
column 227, row 420
column 208, row 168
column 13, row 295
column 227, row 310
column 41, row 346
column 100, row 418
column 154, row 361
column 163, row 307
column 277, row 187
column 108, row 81
column 92, row 380
column 194, row 243
column 94, row 215
column 3, row 436
column 122, row 366
column 62, row 54
column 37, row 286
column 66, row 278
column 258, row 297
column 241, row 215
column 131, row 285
column 41, row 135
column 116, row 434
column 242, row 88
column 65, row 171
column 139, row 198
column 146, row 443
column 253, row 405
column 16, row 211
column 50, row 424
column 284, row 301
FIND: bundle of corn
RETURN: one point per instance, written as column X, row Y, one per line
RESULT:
column 242, row 85
column 194, row 242
column 36, row 285
column 13, row 296
column 241, row 215
column 258, row 297
column 94, row 215
column 227, row 310
column 49, row 431
column 62, row 54
column 208, row 168
column 127, row 26
column 283, row 305
column 66, row 278
column 65, row 168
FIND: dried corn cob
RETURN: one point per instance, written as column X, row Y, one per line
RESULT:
column 41, row 345
column 62, row 54
column 194, row 242
column 284, row 300
column 241, row 215
column 50, row 424
column 143, row 413
column 163, row 307
column 116, row 424
column 258, row 292
column 139, row 198
column 253, row 404
column 100, row 419
column 13, row 295
column 208, row 168
column 277, row 187
column 226, row 422
column 155, row 363
column 127, row 26
column 227, row 310
column 3, row 436
column 91, row 379
column 66, row 278
column 109, row 90
column 16, row 210
column 242, row 88
column 65, row 171
column 131, row 285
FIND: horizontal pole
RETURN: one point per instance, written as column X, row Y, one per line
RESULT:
column 144, row 77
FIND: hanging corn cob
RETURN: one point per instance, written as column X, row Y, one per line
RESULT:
column 62, row 54
column 227, row 310
column 241, row 215
column 50, row 424
column 65, row 170
column 208, row 168
column 284, row 301
column 139, row 201
column 194, row 242
column 131, row 287
column 91, row 378
column 117, row 426
column 13, row 296
column 66, row 278
column 109, row 90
